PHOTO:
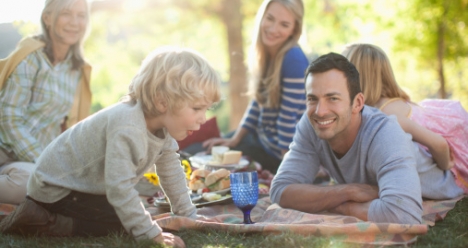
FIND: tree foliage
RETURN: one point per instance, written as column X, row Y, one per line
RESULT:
column 434, row 33
column 123, row 32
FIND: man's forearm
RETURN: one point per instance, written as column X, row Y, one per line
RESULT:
column 356, row 209
column 313, row 198
column 316, row 198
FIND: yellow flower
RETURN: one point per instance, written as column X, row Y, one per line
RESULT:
column 187, row 168
column 152, row 178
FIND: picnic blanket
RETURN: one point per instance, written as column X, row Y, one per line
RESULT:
column 272, row 219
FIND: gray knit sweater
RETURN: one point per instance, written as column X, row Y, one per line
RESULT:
column 382, row 154
column 107, row 154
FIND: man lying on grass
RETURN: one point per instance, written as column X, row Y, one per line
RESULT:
column 373, row 161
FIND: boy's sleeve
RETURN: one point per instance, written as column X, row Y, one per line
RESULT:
column 123, row 152
column 174, row 182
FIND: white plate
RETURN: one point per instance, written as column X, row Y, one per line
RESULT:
column 222, row 192
column 162, row 201
column 219, row 192
column 202, row 162
column 200, row 202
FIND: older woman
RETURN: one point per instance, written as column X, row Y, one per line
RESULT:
column 44, row 87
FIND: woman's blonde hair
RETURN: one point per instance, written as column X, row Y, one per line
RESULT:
column 53, row 8
column 375, row 73
column 174, row 76
column 265, row 75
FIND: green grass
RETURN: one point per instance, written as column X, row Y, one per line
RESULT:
column 452, row 232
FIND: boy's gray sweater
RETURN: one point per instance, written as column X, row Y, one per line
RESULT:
column 107, row 154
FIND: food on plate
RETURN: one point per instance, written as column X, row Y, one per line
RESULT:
column 203, row 181
column 217, row 152
column 231, row 157
column 197, row 179
column 224, row 156
column 210, row 196
column 218, row 180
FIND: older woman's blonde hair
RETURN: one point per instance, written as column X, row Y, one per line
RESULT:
column 175, row 76
column 375, row 72
column 265, row 81
column 53, row 8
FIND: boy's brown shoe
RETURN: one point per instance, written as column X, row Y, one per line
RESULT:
column 29, row 219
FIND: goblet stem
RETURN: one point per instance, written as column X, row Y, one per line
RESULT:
column 247, row 219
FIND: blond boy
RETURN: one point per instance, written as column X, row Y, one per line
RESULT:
column 84, row 182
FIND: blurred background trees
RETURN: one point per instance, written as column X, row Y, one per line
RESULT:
column 426, row 40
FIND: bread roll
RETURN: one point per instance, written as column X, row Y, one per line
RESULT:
column 200, row 173
column 218, row 180
column 196, row 185
column 223, row 183
column 197, row 179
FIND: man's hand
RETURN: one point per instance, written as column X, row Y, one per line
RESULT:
column 169, row 239
column 361, row 196
column 363, row 192
column 356, row 209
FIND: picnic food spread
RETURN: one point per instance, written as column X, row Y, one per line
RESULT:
column 222, row 155
column 197, row 179
column 210, row 196
column 218, row 180
column 208, row 181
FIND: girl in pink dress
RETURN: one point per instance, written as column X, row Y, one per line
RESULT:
column 440, row 126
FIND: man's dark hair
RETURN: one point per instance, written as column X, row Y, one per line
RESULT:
column 337, row 61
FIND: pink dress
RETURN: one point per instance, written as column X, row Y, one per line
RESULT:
column 449, row 119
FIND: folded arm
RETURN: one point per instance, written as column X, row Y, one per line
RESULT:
column 392, row 168
column 347, row 199
column 356, row 209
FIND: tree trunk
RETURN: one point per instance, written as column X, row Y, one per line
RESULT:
column 441, row 52
column 231, row 16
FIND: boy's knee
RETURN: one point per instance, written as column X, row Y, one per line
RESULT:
column 13, row 183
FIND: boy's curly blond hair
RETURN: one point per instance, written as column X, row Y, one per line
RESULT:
column 175, row 76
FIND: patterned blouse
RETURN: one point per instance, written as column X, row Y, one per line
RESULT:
column 35, row 99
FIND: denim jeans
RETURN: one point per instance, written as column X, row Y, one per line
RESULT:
column 92, row 215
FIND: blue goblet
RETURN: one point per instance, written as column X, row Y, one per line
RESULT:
column 244, row 189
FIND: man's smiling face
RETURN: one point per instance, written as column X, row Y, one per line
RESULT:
column 329, row 107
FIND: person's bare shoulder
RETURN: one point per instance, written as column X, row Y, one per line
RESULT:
column 399, row 107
